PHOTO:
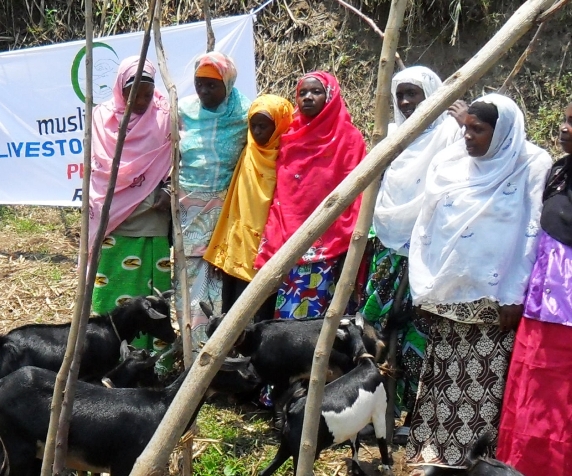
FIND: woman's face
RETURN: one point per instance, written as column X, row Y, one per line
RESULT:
column 261, row 127
column 211, row 92
column 478, row 136
column 143, row 97
column 311, row 97
column 566, row 130
column 408, row 97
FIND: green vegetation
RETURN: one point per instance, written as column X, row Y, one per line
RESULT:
column 232, row 442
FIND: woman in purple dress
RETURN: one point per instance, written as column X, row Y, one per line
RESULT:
column 535, row 433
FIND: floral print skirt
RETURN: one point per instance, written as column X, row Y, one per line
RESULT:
column 460, row 391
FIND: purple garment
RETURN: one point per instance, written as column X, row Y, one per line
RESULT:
column 549, row 297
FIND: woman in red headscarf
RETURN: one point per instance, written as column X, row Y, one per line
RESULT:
column 319, row 150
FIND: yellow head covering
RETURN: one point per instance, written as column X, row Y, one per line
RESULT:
column 234, row 244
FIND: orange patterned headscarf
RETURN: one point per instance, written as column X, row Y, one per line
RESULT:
column 209, row 64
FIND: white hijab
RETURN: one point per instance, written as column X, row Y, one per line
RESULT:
column 477, row 231
column 401, row 192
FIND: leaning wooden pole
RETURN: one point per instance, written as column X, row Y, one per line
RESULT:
column 180, row 268
column 67, row 407
column 58, row 395
column 345, row 285
column 156, row 454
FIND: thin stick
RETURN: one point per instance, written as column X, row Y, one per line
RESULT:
column 392, row 357
column 67, row 407
column 210, row 33
column 356, row 249
column 180, row 271
column 552, row 10
column 518, row 66
column 374, row 27
column 155, row 456
column 58, row 395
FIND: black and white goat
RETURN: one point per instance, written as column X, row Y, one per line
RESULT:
column 44, row 345
column 109, row 429
column 349, row 404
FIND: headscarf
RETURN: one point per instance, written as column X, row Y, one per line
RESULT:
column 234, row 244
column 401, row 192
column 477, row 231
column 316, row 154
column 146, row 155
column 211, row 141
column 421, row 77
column 556, row 219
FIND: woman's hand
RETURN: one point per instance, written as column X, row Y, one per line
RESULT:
column 162, row 201
column 510, row 316
column 458, row 110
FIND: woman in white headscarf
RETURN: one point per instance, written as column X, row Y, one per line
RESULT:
column 398, row 204
column 472, row 250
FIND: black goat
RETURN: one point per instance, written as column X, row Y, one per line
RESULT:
column 120, row 421
column 136, row 369
column 476, row 464
column 282, row 350
column 44, row 345
column 349, row 404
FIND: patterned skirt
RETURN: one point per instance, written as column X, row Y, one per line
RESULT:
column 460, row 391
column 306, row 290
column 130, row 267
column 199, row 214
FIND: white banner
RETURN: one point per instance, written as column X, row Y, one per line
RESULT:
column 42, row 110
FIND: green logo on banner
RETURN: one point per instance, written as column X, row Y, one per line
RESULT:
column 105, row 61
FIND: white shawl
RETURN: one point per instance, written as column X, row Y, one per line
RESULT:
column 401, row 192
column 477, row 231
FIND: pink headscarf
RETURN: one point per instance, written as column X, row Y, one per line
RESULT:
column 146, row 155
column 315, row 156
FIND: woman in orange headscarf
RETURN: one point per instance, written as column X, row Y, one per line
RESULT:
column 234, row 244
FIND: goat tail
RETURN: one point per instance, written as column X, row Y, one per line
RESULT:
column 480, row 447
column 5, row 467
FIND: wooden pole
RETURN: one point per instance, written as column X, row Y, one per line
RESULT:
column 356, row 249
column 156, row 454
column 180, row 268
column 210, row 33
column 58, row 395
column 65, row 416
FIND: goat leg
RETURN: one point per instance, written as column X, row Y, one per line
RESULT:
column 281, row 456
column 356, row 469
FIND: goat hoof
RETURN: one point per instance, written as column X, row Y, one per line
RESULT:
column 385, row 469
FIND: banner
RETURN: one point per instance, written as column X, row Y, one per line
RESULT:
column 42, row 109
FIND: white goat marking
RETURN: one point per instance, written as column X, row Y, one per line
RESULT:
column 368, row 407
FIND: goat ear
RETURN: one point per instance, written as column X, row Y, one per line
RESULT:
column 124, row 350
column 206, row 309
column 152, row 313
column 235, row 363
column 168, row 294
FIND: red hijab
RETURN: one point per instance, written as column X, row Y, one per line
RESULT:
column 316, row 154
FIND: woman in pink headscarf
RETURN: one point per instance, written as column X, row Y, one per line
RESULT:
column 135, row 252
column 319, row 150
